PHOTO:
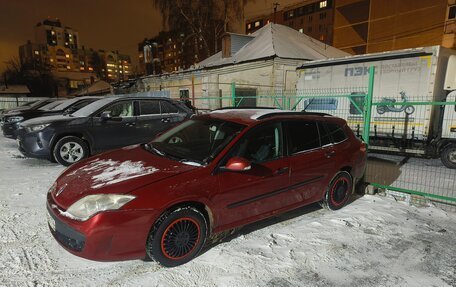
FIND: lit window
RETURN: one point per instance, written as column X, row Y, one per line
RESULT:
column 68, row 67
column 301, row 30
column 52, row 33
column 126, row 72
column 90, row 69
column 249, row 26
column 70, row 35
column 81, row 68
column 52, row 60
column 290, row 14
column 121, row 72
column 323, row 4
column 109, row 70
column 257, row 24
column 267, row 22
column 67, row 55
column 126, row 67
column 37, row 52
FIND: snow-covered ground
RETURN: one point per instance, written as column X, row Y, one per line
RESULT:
column 374, row 241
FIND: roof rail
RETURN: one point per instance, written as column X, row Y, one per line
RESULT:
column 292, row 114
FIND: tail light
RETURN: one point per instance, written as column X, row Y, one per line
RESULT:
column 363, row 147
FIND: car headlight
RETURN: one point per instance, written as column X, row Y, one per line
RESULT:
column 36, row 128
column 90, row 205
column 14, row 119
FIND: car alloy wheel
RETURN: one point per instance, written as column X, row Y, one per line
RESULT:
column 180, row 238
column 70, row 149
column 339, row 191
column 71, row 152
column 177, row 236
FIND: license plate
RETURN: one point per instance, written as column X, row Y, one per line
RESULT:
column 51, row 222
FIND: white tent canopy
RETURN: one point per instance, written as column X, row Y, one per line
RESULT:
column 274, row 40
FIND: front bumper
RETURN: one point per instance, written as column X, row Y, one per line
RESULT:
column 34, row 144
column 9, row 129
column 107, row 236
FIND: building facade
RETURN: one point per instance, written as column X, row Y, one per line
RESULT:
column 369, row 26
column 169, row 52
column 57, row 48
column 312, row 17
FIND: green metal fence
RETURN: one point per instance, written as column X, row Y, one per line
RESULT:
column 399, row 162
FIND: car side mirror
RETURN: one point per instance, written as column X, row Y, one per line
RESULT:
column 105, row 116
column 70, row 110
column 237, row 164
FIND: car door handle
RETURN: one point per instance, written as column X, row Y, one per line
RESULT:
column 130, row 124
column 330, row 154
column 281, row 170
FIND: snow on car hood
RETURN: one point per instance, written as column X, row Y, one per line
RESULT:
column 120, row 171
column 114, row 171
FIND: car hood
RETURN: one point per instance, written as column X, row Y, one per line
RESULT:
column 46, row 120
column 15, row 110
column 14, row 113
column 117, row 172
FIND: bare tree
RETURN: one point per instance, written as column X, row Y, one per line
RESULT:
column 37, row 77
column 204, row 20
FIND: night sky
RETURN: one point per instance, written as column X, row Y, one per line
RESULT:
column 102, row 24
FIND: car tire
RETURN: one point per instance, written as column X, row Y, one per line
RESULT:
column 448, row 156
column 177, row 237
column 69, row 150
column 338, row 191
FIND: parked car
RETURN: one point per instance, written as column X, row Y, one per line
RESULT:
column 106, row 124
column 212, row 173
column 29, row 105
column 12, row 120
column 23, row 106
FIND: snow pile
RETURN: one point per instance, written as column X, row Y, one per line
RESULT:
column 111, row 172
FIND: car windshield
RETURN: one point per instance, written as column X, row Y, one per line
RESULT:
column 93, row 107
column 52, row 105
column 29, row 104
column 196, row 141
column 38, row 104
column 65, row 104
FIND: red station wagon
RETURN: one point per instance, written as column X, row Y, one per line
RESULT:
column 209, row 174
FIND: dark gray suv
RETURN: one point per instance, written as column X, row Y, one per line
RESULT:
column 106, row 124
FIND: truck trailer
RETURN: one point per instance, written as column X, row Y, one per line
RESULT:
column 408, row 116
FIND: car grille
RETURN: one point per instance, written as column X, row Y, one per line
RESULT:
column 70, row 243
